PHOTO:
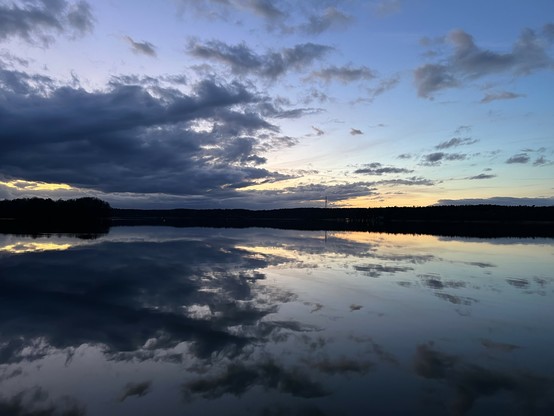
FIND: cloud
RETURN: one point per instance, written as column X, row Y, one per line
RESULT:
column 243, row 60
column 541, row 161
column 455, row 142
column 238, row 378
column 377, row 270
column 469, row 382
column 482, row 176
column 318, row 132
column 35, row 20
column 135, row 389
column 411, row 181
column 378, row 169
column 387, row 7
column 313, row 193
column 548, row 32
column 330, row 18
column 383, row 86
column 430, row 78
column 145, row 48
column 436, row 158
column 499, row 200
column 127, row 139
column 344, row 74
column 355, row 132
column 519, row 158
column 36, row 401
column 467, row 61
column 305, row 18
column 504, row 95
column 116, row 303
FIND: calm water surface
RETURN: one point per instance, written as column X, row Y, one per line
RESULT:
column 165, row 321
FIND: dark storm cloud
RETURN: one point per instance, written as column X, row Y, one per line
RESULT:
column 378, row 169
column 145, row 48
column 482, row 176
column 504, row 95
column 455, row 142
column 127, row 139
column 36, row 20
column 243, row 60
column 355, row 132
column 436, row 158
column 468, row 61
column 344, row 74
column 519, row 158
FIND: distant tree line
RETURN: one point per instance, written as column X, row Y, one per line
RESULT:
column 439, row 213
column 464, row 220
column 95, row 216
column 84, row 216
column 45, row 209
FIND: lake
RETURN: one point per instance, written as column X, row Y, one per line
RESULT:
column 175, row 321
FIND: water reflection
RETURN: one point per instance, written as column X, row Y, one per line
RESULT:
column 161, row 320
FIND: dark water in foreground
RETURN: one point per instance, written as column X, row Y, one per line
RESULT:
column 164, row 321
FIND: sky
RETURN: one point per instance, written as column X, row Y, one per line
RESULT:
column 267, row 104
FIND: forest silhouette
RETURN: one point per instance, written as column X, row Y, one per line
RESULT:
column 89, row 214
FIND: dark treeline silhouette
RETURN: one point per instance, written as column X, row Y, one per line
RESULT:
column 37, row 215
column 464, row 220
column 92, row 215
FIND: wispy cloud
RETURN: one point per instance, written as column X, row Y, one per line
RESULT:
column 145, row 48
column 482, row 176
column 344, row 74
column 504, row 95
column 243, row 60
column 318, row 132
column 434, row 159
column 378, row 169
column 455, row 142
column 329, row 18
column 519, row 158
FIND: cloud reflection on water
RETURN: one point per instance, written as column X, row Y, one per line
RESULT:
column 268, row 315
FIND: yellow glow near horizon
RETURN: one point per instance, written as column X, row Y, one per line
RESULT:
column 35, row 186
column 20, row 248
